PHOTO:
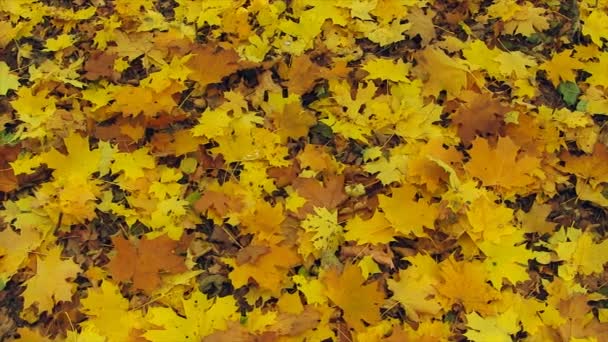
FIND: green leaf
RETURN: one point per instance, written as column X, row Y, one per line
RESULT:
column 322, row 131
column 8, row 138
column 188, row 165
column 605, row 192
column 581, row 106
column 569, row 91
column 193, row 197
column 8, row 80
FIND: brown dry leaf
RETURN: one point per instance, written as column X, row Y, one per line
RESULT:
column 422, row 24
column 481, row 115
column 328, row 194
column 8, row 180
column 536, row 219
column 143, row 261
column 210, row 64
column 580, row 322
column 283, row 175
column 380, row 253
column 220, row 202
column 293, row 121
column 301, row 74
column 250, row 254
column 100, row 64
column 235, row 333
column 289, row 324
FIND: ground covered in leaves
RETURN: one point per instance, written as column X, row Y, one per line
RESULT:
column 305, row 170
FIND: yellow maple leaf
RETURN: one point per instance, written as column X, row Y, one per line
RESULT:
column 368, row 266
column 310, row 21
column 133, row 164
column 313, row 289
column 580, row 253
column 292, row 120
column 561, row 67
column 109, row 313
column 203, row 317
column 466, row 283
column 7, row 80
column 61, row 42
column 528, row 20
column 290, row 303
column 79, row 163
column 49, row 286
column 149, row 102
column 328, row 235
column 596, row 26
column 533, row 314
column 388, row 170
column 376, row 230
column 384, row 33
column 480, row 56
column 524, row 19
column 387, row 69
column 405, row 213
column 453, row 75
column 495, row 329
column 72, row 198
column 515, row 63
column 414, row 289
column 35, row 110
column 507, row 260
column 86, row 335
column 318, row 158
column 264, row 221
column 597, row 70
column 489, row 221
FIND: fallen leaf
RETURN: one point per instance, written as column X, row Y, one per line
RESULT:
column 50, row 284
column 346, row 288
column 143, row 261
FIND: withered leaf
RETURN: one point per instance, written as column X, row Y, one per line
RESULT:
column 143, row 261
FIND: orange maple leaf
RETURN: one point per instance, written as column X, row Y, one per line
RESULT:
column 268, row 270
column 502, row 165
column 210, row 65
column 358, row 302
column 588, row 166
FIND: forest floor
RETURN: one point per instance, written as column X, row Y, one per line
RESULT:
column 303, row 170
